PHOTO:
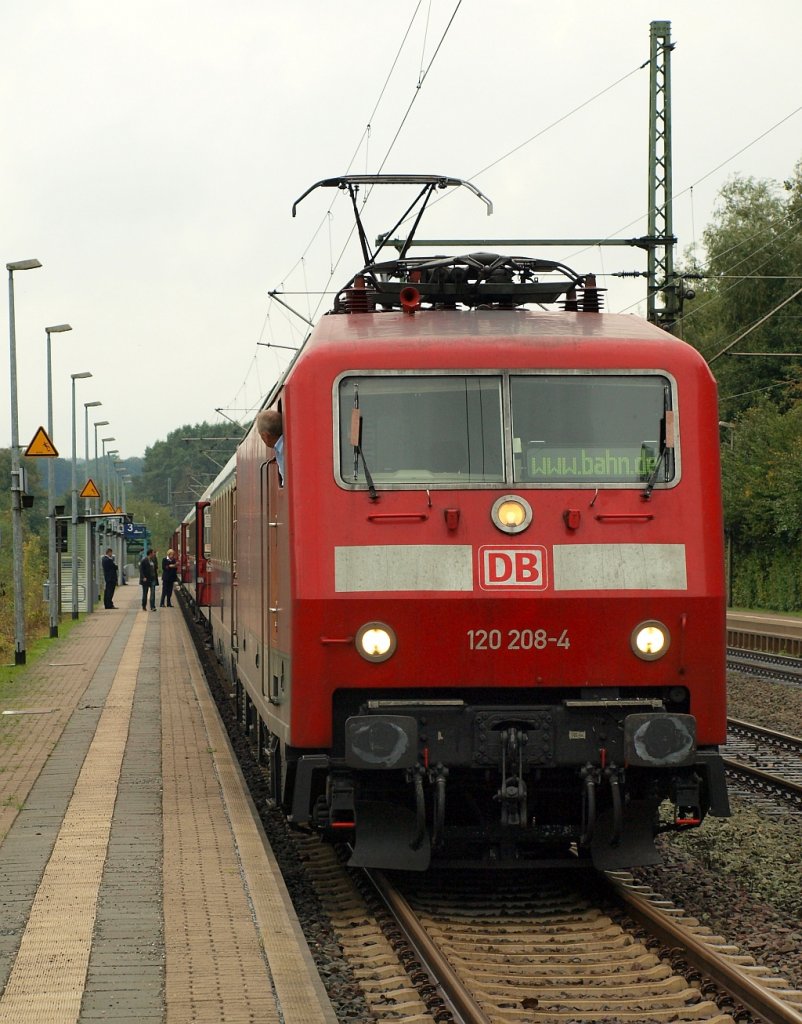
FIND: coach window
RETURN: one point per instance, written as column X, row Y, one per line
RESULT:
column 423, row 429
column 591, row 428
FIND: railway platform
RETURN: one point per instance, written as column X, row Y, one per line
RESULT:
column 136, row 884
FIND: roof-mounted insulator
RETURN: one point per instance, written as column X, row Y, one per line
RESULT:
column 591, row 299
column 358, row 299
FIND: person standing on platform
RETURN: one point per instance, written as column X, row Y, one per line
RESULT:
column 155, row 560
column 109, row 578
column 148, row 578
column 169, row 576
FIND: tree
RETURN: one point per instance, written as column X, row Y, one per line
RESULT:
column 177, row 470
column 754, row 252
column 761, row 478
column 34, row 557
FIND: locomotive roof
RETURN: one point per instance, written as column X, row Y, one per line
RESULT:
column 487, row 331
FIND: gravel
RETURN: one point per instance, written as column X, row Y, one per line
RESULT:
column 741, row 875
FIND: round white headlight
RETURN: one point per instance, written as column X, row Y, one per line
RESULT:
column 375, row 641
column 650, row 640
column 511, row 513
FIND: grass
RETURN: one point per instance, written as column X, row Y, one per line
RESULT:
column 13, row 677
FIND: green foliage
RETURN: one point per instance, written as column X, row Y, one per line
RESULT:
column 34, row 575
column 754, row 255
column 35, row 519
column 176, row 471
column 761, row 477
column 768, row 579
column 159, row 520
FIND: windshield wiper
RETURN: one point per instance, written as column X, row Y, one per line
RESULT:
column 356, row 441
column 667, row 431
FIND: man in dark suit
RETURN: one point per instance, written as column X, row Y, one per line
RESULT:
column 109, row 578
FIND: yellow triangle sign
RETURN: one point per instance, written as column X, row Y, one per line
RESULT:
column 89, row 491
column 42, row 445
column 108, row 509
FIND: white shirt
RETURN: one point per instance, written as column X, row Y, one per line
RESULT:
column 278, row 448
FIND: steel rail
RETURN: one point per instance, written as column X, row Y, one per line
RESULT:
column 756, row 997
column 442, row 972
column 780, row 739
column 757, row 775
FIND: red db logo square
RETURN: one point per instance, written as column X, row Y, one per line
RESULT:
column 512, row 567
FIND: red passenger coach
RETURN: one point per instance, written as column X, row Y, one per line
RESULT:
column 193, row 556
column 481, row 615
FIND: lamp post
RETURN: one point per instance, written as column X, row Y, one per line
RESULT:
column 74, row 503
column 104, row 472
column 115, row 490
column 91, row 563
column 121, row 470
column 100, row 528
column 100, row 423
column 106, row 466
column 87, row 407
column 16, row 472
column 52, row 558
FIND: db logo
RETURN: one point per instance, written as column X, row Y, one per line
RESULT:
column 512, row 567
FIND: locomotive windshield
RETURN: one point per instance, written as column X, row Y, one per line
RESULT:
column 424, row 429
column 594, row 428
column 561, row 429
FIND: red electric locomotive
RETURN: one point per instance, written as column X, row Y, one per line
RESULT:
column 481, row 613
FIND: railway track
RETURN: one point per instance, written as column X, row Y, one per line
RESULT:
column 775, row 666
column 478, row 949
column 765, row 645
column 768, row 761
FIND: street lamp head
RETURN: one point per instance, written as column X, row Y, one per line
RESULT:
column 76, row 376
column 104, row 439
column 88, row 405
column 58, row 329
column 101, row 423
column 23, row 265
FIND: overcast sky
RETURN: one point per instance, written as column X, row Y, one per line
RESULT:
column 151, row 154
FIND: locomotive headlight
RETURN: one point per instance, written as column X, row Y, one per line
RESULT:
column 375, row 641
column 512, row 514
column 650, row 640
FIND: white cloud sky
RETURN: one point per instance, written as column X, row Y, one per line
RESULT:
column 152, row 152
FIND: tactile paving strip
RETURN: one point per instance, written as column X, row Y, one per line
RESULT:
column 46, row 983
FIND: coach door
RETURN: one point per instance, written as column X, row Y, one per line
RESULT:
column 270, row 667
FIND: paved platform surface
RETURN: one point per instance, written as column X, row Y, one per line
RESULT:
column 136, row 884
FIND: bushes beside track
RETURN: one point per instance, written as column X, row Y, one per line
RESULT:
column 768, row 580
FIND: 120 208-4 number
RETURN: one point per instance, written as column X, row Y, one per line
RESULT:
column 515, row 640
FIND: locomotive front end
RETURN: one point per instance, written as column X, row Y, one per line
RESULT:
column 523, row 650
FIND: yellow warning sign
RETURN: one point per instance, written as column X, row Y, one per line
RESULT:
column 119, row 511
column 89, row 491
column 42, row 445
column 108, row 509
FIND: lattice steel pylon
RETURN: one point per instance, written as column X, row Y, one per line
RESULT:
column 660, row 273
